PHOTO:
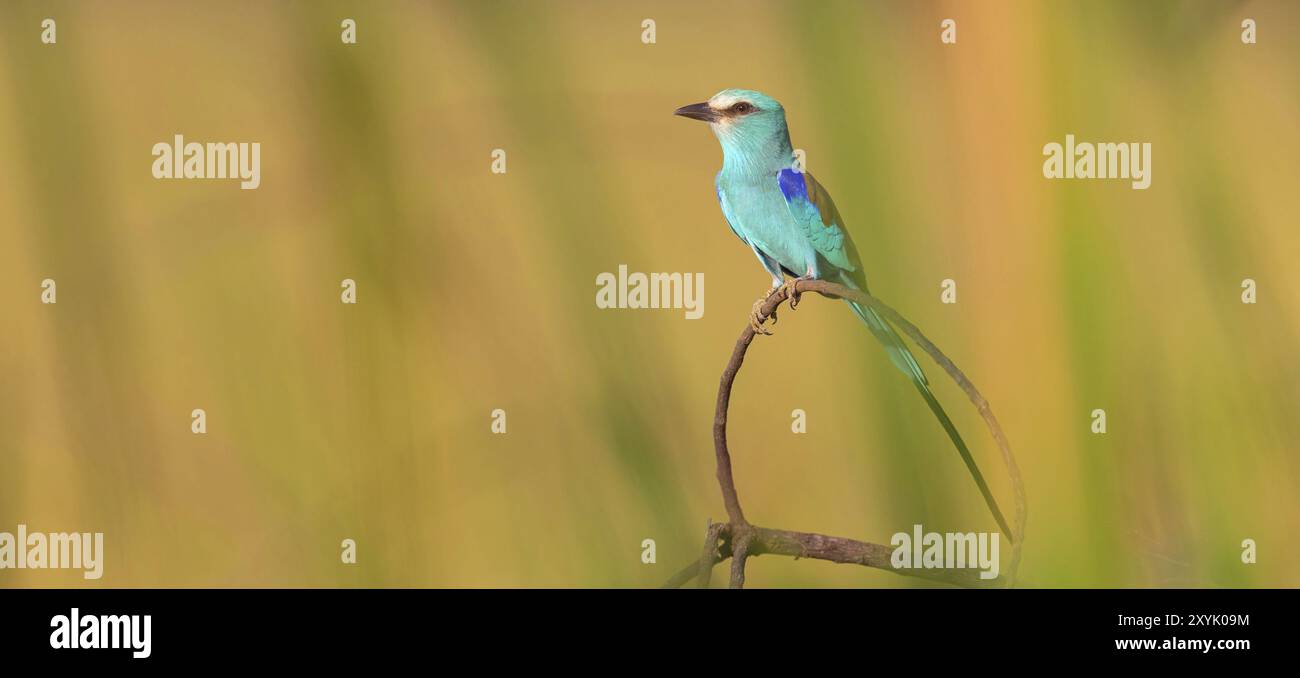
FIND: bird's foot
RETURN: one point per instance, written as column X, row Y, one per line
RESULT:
column 791, row 289
column 756, row 318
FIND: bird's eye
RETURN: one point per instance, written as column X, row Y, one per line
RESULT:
column 743, row 107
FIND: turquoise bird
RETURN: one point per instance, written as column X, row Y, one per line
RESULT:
column 792, row 226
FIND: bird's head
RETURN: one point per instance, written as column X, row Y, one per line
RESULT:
column 748, row 124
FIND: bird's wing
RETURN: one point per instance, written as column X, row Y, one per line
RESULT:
column 815, row 214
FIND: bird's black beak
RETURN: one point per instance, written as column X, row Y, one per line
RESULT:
column 699, row 111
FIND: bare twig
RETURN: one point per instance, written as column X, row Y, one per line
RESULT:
column 703, row 568
column 742, row 540
column 768, row 541
column 710, row 556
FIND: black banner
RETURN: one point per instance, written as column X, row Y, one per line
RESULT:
column 346, row 627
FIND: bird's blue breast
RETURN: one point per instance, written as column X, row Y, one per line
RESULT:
column 758, row 209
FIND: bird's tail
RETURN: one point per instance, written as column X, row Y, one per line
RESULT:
column 906, row 363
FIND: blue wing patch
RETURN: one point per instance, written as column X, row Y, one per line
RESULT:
column 792, row 185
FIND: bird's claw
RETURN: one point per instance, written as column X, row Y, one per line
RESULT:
column 791, row 289
column 756, row 318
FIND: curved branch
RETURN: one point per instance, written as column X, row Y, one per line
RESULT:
column 725, row 480
column 740, row 540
